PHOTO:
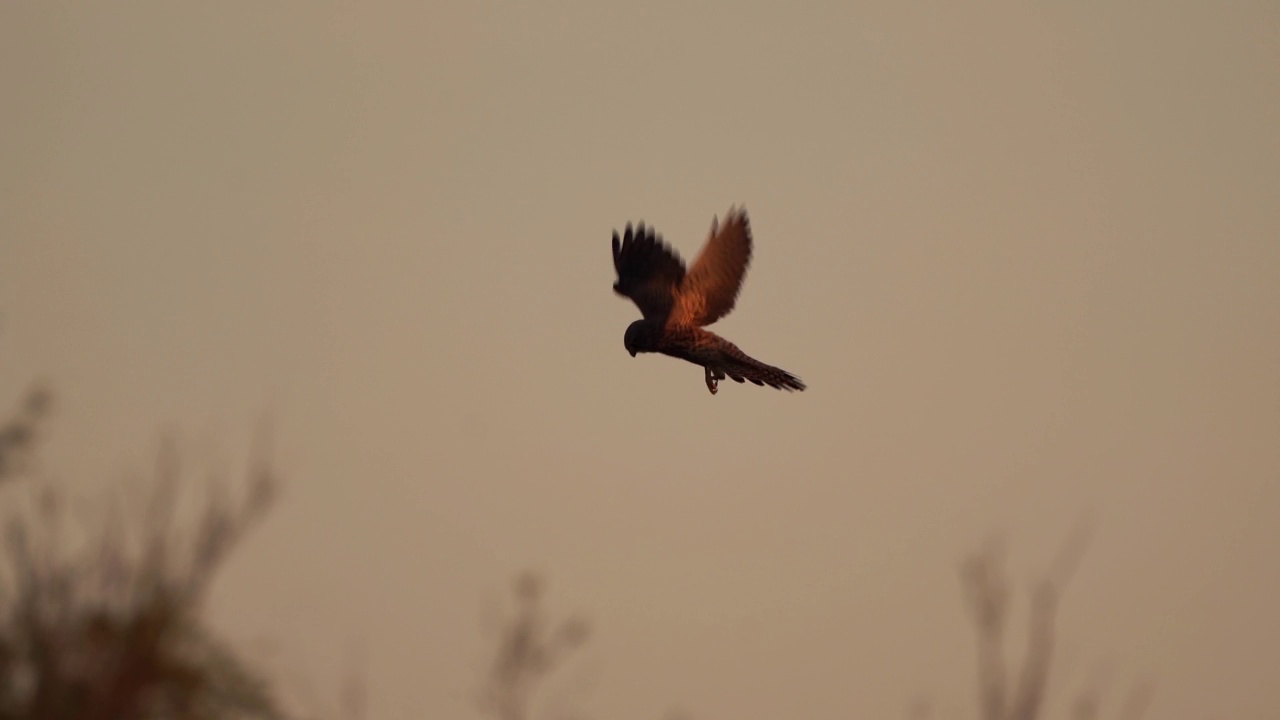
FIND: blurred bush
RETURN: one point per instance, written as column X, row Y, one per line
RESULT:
column 100, row 602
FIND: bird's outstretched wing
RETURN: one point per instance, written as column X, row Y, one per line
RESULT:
column 649, row 272
column 710, row 288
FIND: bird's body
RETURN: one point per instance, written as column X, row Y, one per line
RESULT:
column 677, row 304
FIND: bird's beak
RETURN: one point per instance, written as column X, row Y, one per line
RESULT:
column 633, row 353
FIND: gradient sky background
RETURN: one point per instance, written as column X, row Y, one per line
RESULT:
column 1026, row 257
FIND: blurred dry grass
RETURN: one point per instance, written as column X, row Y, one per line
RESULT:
column 100, row 603
column 1021, row 694
column 100, row 607
column 530, row 648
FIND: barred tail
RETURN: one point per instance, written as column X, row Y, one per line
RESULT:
column 741, row 367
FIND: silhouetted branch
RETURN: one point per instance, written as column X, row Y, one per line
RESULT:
column 987, row 598
column 987, row 594
column 529, row 650
column 19, row 434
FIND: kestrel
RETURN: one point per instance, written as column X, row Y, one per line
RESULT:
column 677, row 305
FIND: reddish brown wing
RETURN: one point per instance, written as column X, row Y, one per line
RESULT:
column 649, row 272
column 710, row 289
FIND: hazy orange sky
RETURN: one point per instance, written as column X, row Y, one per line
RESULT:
column 1026, row 257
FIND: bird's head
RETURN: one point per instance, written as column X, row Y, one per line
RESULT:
column 642, row 336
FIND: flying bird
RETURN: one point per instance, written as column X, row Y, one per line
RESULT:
column 677, row 304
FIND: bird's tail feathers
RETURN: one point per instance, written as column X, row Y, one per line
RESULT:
column 741, row 367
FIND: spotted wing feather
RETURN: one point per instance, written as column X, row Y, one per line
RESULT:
column 710, row 288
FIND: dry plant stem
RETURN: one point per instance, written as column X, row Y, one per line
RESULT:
column 987, row 595
column 530, row 649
